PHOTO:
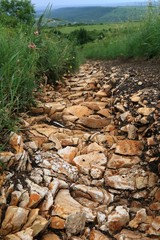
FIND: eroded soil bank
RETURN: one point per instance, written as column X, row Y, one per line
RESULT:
column 85, row 164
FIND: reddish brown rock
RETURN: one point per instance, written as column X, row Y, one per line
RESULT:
column 78, row 111
column 57, row 223
column 118, row 219
column 15, row 218
column 86, row 161
column 50, row 236
column 93, row 122
column 75, row 223
column 97, row 235
column 68, row 153
column 129, row 147
column 66, row 205
column 26, row 234
column 117, row 161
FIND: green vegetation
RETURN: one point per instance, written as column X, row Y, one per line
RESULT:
column 99, row 14
column 27, row 57
column 13, row 12
column 141, row 39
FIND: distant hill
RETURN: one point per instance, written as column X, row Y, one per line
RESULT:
column 99, row 14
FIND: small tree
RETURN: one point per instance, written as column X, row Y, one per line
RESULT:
column 15, row 11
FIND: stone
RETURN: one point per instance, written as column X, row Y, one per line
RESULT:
column 93, row 147
column 15, row 218
column 145, row 111
column 39, row 225
column 120, row 181
column 57, row 223
column 132, row 131
column 101, row 93
column 129, row 147
column 75, row 223
column 37, row 193
column 6, row 156
column 86, row 161
column 55, row 140
column 118, row 219
column 52, row 161
column 94, row 193
column 155, row 227
column 78, row 111
column 53, row 107
column 96, row 106
column 16, row 142
column 65, row 205
column 15, row 197
column 68, row 153
column 130, row 235
column 94, row 123
column 139, row 218
column 135, row 98
column 105, row 113
column 33, row 214
column 97, row 235
column 117, row 161
column 50, row 236
column 26, row 234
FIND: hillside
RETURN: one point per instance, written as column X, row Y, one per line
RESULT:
column 99, row 14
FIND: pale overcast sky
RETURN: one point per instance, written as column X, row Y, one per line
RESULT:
column 64, row 3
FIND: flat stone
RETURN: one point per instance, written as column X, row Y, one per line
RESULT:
column 52, row 161
column 97, row 235
column 95, row 194
column 68, row 153
column 118, row 181
column 118, row 219
column 117, row 161
column 155, row 227
column 96, row 106
column 101, row 93
column 93, row 147
column 129, row 147
column 39, row 225
column 145, row 111
column 50, row 236
column 6, row 156
column 75, row 223
column 94, row 123
column 26, row 234
column 15, row 218
column 53, row 107
column 65, row 205
column 78, row 111
column 130, row 235
column 86, row 161
column 105, row 113
column 16, row 142
column 57, row 223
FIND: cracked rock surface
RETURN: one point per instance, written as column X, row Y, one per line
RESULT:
column 85, row 164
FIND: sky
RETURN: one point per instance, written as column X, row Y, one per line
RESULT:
column 72, row 3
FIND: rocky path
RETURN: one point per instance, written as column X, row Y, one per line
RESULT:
column 85, row 164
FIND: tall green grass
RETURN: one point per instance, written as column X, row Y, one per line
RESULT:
column 141, row 40
column 26, row 57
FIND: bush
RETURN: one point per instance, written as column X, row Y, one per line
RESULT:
column 14, row 12
column 80, row 36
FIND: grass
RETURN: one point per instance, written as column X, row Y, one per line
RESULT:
column 26, row 57
column 108, row 27
column 141, row 39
